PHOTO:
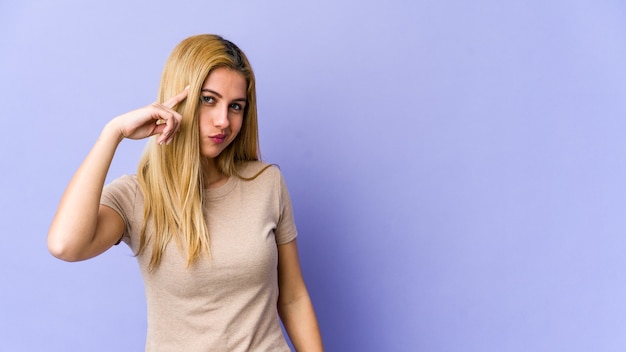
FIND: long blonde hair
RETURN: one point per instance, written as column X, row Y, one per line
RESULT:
column 171, row 176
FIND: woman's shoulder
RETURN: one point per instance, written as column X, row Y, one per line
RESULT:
column 124, row 183
column 126, row 179
column 254, row 169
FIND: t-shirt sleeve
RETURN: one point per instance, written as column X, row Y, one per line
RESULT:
column 121, row 196
column 285, row 231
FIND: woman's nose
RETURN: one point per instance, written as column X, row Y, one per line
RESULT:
column 220, row 119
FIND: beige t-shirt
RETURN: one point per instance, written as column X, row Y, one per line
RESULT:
column 227, row 302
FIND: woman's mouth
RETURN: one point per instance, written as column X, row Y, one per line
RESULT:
column 218, row 138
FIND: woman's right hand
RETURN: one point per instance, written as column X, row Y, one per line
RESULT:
column 151, row 120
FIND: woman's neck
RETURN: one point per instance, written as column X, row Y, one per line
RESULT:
column 212, row 176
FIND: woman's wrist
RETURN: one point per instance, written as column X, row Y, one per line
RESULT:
column 112, row 132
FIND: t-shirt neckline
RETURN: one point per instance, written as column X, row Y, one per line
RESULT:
column 221, row 191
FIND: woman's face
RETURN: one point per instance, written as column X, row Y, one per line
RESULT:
column 222, row 103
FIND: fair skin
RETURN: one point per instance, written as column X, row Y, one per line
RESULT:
column 223, row 98
column 98, row 228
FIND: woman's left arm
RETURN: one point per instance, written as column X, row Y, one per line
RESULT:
column 294, row 304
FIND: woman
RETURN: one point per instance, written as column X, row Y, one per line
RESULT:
column 212, row 226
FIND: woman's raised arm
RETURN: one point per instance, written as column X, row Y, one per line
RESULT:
column 81, row 227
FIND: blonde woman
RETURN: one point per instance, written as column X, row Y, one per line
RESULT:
column 212, row 226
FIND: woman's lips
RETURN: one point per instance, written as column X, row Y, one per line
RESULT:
column 218, row 138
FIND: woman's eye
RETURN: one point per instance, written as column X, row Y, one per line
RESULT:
column 236, row 107
column 207, row 100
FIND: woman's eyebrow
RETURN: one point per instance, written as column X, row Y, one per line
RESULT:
column 220, row 96
column 212, row 92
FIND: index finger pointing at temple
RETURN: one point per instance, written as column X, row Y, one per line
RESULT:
column 177, row 98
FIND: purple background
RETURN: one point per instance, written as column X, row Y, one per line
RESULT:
column 457, row 168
